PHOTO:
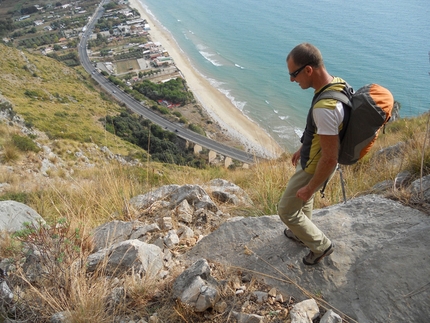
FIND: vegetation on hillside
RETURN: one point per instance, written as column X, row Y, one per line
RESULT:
column 174, row 91
column 163, row 146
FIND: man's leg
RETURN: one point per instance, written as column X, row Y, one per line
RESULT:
column 297, row 214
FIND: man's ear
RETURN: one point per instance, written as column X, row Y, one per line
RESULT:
column 309, row 70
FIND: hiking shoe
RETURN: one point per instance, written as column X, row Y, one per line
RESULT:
column 290, row 235
column 312, row 258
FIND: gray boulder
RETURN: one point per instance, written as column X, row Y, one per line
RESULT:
column 195, row 195
column 377, row 271
column 196, row 287
column 305, row 311
column 420, row 190
column 144, row 201
column 228, row 192
column 110, row 233
column 121, row 257
column 331, row 317
column 113, row 232
column 248, row 318
column 13, row 216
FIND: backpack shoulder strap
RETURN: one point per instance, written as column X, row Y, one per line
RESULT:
column 332, row 94
column 339, row 96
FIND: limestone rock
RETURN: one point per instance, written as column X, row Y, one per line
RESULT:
column 420, row 189
column 331, row 317
column 13, row 215
column 381, row 249
column 228, row 192
column 304, row 312
column 110, row 233
column 196, row 287
column 248, row 318
column 123, row 256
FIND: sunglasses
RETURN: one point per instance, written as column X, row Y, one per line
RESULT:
column 296, row 72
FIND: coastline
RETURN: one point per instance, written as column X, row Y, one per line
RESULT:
column 218, row 106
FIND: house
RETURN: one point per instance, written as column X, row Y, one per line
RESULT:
column 162, row 61
column 135, row 21
column 23, row 17
column 47, row 50
column 105, row 33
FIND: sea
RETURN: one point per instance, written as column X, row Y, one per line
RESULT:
column 240, row 47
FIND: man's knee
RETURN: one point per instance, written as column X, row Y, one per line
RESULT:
column 287, row 214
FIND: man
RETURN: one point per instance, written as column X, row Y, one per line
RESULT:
column 316, row 160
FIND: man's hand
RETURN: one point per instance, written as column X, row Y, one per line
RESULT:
column 304, row 193
column 296, row 157
column 325, row 167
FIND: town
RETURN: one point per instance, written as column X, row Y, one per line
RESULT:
column 120, row 44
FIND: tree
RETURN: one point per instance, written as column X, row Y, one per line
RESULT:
column 28, row 10
column 6, row 25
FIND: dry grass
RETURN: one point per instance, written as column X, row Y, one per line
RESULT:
column 98, row 196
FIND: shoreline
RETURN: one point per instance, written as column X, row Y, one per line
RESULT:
column 216, row 104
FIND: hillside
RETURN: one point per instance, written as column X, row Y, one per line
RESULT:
column 58, row 158
column 56, row 99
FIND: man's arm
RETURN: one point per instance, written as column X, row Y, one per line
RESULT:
column 326, row 165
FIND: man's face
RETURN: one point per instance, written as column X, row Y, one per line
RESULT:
column 298, row 74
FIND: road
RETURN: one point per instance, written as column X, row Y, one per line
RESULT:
column 138, row 108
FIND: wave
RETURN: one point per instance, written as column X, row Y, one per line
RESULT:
column 238, row 104
column 208, row 56
column 237, row 65
column 283, row 117
column 299, row 132
column 218, row 85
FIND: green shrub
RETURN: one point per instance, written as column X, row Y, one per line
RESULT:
column 13, row 196
column 61, row 114
column 24, row 143
column 197, row 129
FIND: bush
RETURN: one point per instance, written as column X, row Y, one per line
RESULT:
column 18, row 197
column 24, row 143
column 10, row 153
column 197, row 129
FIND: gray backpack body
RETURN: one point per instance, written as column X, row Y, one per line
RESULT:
column 370, row 109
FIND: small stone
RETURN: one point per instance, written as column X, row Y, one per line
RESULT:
column 279, row 298
column 220, row 307
column 261, row 297
column 272, row 292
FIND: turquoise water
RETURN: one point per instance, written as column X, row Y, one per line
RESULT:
column 241, row 47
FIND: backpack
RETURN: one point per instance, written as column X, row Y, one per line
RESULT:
column 370, row 109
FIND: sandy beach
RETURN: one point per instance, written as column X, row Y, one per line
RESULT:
column 218, row 106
